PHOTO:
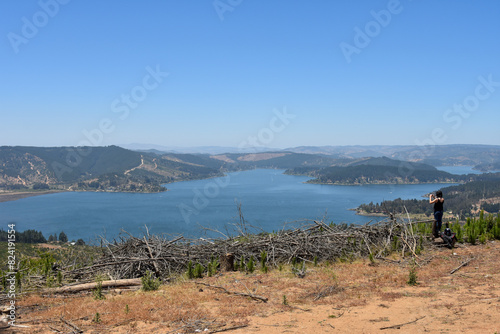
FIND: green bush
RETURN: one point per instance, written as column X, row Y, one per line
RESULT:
column 457, row 228
column 372, row 259
column 212, row 266
column 149, row 283
column 97, row 292
column 395, row 243
column 190, row 270
column 263, row 262
column 412, row 276
column 242, row 264
column 199, row 270
column 251, row 265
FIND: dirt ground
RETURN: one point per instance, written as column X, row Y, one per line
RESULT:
column 340, row 297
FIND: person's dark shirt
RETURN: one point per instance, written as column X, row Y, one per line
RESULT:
column 438, row 206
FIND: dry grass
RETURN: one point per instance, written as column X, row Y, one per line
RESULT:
column 185, row 306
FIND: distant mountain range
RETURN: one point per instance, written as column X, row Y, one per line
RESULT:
column 378, row 171
column 195, row 149
column 438, row 155
column 485, row 157
column 146, row 168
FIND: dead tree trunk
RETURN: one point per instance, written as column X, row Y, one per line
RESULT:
column 227, row 262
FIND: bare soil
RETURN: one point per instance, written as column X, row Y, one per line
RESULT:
column 261, row 156
column 357, row 297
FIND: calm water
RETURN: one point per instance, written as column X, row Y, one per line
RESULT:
column 269, row 199
column 459, row 170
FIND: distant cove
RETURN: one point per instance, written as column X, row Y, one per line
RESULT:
column 269, row 199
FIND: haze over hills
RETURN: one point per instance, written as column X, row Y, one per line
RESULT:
column 437, row 155
column 196, row 149
column 114, row 168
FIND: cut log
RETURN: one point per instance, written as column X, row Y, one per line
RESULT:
column 90, row 286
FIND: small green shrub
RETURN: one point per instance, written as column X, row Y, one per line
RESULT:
column 412, row 276
column 395, row 243
column 97, row 292
column 49, row 281
column 263, row 262
column 251, row 265
column 457, row 228
column 149, row 283
column 190, row 270
column 212, row 266
column 242, row 264
column 199, row 270
column 418, row 250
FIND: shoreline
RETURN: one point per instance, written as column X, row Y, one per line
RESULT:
column 375, row 183
column 368, row 214
column 14, row 196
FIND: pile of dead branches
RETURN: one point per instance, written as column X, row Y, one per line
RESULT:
column 132, row 257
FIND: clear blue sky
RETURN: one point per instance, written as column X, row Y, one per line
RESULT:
column 348, row 72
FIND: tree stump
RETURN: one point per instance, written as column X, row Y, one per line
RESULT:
column 434, row 230
column 227, row 262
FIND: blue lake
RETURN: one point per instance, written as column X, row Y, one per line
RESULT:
column 459, row 170
column 268, row 197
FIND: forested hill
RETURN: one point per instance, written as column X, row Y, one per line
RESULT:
column 463, row 200
column 483, row 157
column 378, row 171
column 109, row 168
column 113, row 168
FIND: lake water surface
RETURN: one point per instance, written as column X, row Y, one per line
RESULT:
column 268, row 197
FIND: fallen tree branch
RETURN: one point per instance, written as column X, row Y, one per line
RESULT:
column 264, row 299
column 73, row 326
column 228, row 329
column 150, row 254
column 406, row 323
column 90, row 286
column 461, row 265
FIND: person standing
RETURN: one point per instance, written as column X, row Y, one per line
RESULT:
column 438, row 201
